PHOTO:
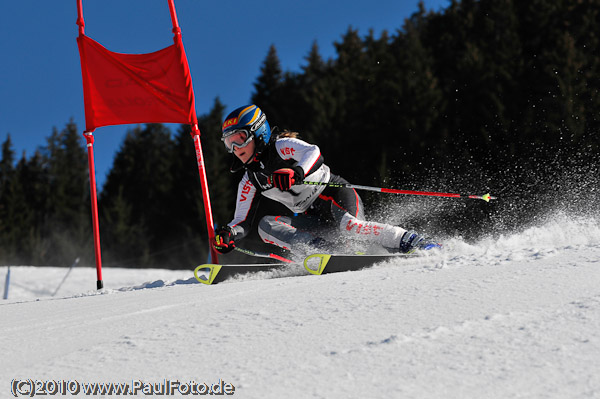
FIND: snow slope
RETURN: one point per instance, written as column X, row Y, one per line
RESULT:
column 515, row 316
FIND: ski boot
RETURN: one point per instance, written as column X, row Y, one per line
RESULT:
column 411, row 241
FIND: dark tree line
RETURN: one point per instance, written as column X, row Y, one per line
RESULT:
column 44, row 202
column 488, row 82
column 462, row 99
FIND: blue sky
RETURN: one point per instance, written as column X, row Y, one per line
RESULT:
column 226, row 42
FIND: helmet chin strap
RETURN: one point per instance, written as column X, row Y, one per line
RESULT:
column 254, row 157
column 259, row 147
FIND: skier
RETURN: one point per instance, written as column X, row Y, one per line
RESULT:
column 276, row 167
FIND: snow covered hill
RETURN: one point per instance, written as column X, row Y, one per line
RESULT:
column 514, row 316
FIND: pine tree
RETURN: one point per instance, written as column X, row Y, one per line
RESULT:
column 69, row 181
column 7, row 162
column 67, row 223
column 415, row 99
column 17, row 219
column 37, row 246
column 222, row 183
column 7, row 171
column 137, row 223
column 584, row 17
column 317, row 100
column 187, row 191
column 347, row 84
column 268, row 87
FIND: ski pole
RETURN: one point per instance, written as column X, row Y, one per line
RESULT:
column 7, row 283
column 485, row 197
column 262, row 254
column 66, row 275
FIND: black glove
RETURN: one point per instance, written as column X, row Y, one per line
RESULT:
column 224, row 240
column 285, row 178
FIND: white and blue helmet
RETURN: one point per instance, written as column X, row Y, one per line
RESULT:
column 251, row 120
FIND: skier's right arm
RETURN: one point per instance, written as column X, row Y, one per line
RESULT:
column 239, row 227
column 245, row 208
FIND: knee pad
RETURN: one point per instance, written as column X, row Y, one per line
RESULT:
column 276, row 230
column 279, row 231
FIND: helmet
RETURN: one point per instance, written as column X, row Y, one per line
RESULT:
column 251, row 120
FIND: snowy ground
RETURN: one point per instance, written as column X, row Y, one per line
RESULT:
column 510, row 317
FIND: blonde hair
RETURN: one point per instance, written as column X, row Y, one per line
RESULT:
column 288, row 134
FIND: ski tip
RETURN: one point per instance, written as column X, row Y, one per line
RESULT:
column 315, row 264
column 206, row 274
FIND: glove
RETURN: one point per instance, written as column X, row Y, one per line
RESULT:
column 285, row 178
column 412, row 241
column 224, row 240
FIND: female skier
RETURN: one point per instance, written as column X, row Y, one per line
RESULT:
column 276, row 167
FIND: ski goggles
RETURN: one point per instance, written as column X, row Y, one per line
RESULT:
column 237, row 139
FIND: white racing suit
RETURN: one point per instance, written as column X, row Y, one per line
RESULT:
column 320, row 212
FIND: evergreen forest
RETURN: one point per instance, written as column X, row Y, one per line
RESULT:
column 497, row 96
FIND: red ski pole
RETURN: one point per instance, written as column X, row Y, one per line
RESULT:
column 485, row 197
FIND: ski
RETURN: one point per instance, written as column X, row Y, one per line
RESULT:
column 323, row 264
column 211, row 274
column 317, row 264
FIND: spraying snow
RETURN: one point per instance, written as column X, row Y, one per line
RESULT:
column 516, row 315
